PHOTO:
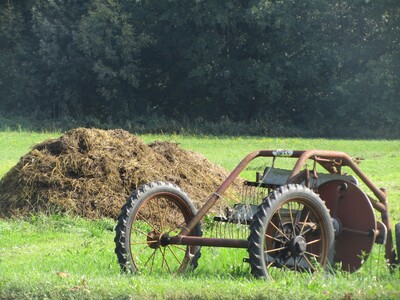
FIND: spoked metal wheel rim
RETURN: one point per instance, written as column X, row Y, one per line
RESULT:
column 293, row 231
column 157, row 218
column 295, row 238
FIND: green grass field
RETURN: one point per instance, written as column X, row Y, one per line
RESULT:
column 64, row 257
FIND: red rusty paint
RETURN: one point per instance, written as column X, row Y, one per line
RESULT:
column 352, row 209
column 332, row 161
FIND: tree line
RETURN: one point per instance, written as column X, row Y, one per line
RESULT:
column 331, row 67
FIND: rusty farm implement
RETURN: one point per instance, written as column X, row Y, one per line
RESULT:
column 310, row 216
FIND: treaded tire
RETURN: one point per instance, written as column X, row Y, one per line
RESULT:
column 291, row 230
column 155, row 209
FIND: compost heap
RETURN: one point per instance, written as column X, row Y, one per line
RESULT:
column 91, row 172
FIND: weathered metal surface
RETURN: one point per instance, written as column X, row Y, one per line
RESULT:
column 357, row 224
column 210, row 242
column 278, row 177
column 354, row 211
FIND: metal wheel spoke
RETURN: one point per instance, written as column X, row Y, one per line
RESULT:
column 140, row 231
column 152, row 263
column 304, row 223
column 301, row 259
column 295, row 263
column 179, row 226
column 309, row 263
column 273, row 238
column 169, row 268
column 173, row 253
column 291, row 217
column 163, row 257
column 309, row 229
column 166, row 261
column 143, row 243
column 150, row 257
column 141, row 251
column 313, row 242
column 275, row 249
column 151, row 225
column 284, row 266
column 279, row 216
column 297, row 218
column 180, row 248
column 162, row 215
column 280, row 231
column 312, row 254
column 274, row 260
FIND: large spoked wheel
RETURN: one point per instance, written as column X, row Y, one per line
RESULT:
column 292, row 230
column 153, row 213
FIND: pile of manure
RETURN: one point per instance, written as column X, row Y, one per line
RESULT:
column 91, row 172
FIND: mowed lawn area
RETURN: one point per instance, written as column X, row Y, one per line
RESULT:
column 68, row 257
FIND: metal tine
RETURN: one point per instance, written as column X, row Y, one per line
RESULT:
column 238, row 225
column 212, row 228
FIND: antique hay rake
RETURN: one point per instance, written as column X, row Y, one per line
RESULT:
column 297, row 219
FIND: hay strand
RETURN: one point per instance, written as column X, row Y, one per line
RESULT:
column 91, row 172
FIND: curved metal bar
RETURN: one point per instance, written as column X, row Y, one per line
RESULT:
column 348, row 161
column 223, row 187
column 303, row 156
column 228, row 181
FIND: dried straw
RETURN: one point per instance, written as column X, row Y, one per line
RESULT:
column 91, row 172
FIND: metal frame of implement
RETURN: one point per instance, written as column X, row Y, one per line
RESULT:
column 332, row 161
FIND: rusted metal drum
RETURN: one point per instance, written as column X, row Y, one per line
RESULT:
column 354, row 222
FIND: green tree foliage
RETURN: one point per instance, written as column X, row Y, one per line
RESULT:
column 111, row 47
column 13, row 51
column 368, row 85
column 56, row 62
column 325, row 67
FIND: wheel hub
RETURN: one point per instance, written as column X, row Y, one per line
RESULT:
column 298, row 245
column 153, row 240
